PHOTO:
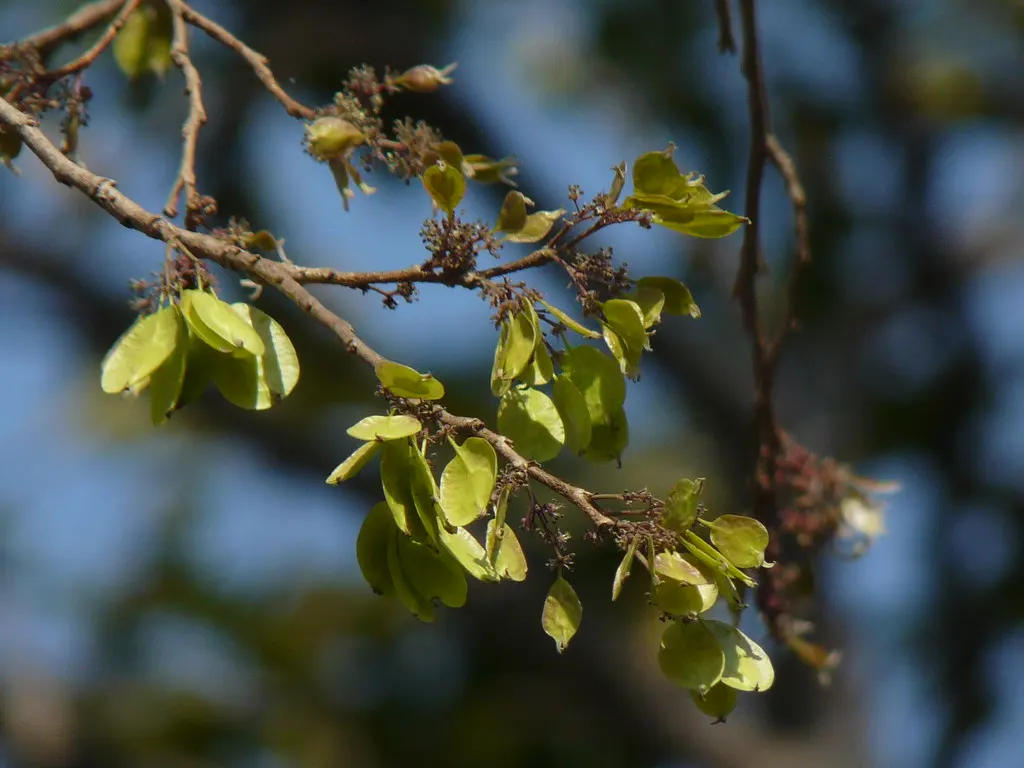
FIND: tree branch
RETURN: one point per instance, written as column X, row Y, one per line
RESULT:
column 726, row 41
column 130, row 214
column 186, row 179
column 256, row 60
column 87, row 58
column 82, row 20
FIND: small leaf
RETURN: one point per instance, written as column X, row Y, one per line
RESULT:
column 350, row 467
column 690, row 656
column 141, row 350
column 499, row 384
column 651, row 302
column 509, row 560
column 494, row 532
column 258, row 382
column 678, row 299
column 396, row 476
column 656, row 173
column 424, row 492
column 627, row 319
column 530, row 420
column 468, row 553
column 403, row 381
column 608, row 439
column 198, row 371
column 512, row 217
column 144, row 43
column 468, row 480
column 741, row 539
column 166, row 381
column 417, row 604
column 541, row 369
column 575, row 415
column 599, row 380
column 714, row 559
column 431, row 574
column 385, row 427
column 672, row 565
column 372, row 549
column 519, row 346
column 618, row 182
column 680, row 509
column 215, row 322
column 569, row 323
column 451, row 153
column 712, row 223
column 536, row 227
column 446, row 186
column 562, row 613
column 488, row 171
column 747, row 667
column 718, row 702
column 622, row 572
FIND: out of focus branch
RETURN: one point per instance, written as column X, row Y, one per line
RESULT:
column 186, row 179
column 79, row 22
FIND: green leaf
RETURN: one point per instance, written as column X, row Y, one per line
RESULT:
column 493, row 532
column 624, row 333
column 608, row 439
column 372, row 549
column 446, row 186
column 562, row 613
column 218, row 324
column 741, row 539
column 166, row 381
column 622, row 572
column 468, row 553
column 396, row 476
column 424, row 492
column 499, row 384
column 143, row 44
column 680, row 509
column 572, row 407
column 512, row 217
column 141, row 350
column 651, row 302
column 451, row 153
column 350, row 467
column 530, row 420
column 431, row 574
column 599, row 380
column 714, row 559
column 515, row 347
column 569, row 323
column 257, row 382
column 536, row 227
column 656, row 173
column 747, row 667
column 711, row 223
column 509, row 560
column 690, row 655
column 417, row 604
column 198, row 371
column 683, row 588
column 717, row 702
column 468, row 481
column 541, row 369
column 489, row 171
column 404, row 381
column 385, row 427
column 678, row 300
column 673, row 566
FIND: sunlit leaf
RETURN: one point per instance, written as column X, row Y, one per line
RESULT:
column 219, row 325
column 141, row 350
column 351, row 466
column 258, row 381
column 446, row 186
column 678, row 299
column 651, row 302
column 396, row 476
column 385, row 427
column 622, row 572
column 431, row 574
column 541, row 369
column 747, row 667
column 562, row 613
column 690, row 656
column 741, row 539
column 404, row 381
column 509, row 560
column 468, row 553
column 711, row 223
column 512, row 217
column 599, row 380
column 536, row 227
column 569, row 323
column 530, row 420
column 680, row 509
column 468, row 480
column 494, row 532
column 166, row 381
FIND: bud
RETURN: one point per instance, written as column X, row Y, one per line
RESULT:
column 10, row 145
column 329, row 137
column 425, row 78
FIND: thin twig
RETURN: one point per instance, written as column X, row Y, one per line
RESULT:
column 130, row 214
column 798, row 200
column 87, row 58
column 256, row 60
column 186, row 179
column 726, row 41
column 81, row 21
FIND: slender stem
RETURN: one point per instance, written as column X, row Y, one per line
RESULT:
column 81, row 21
column 186, row 179
column 87, row 58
